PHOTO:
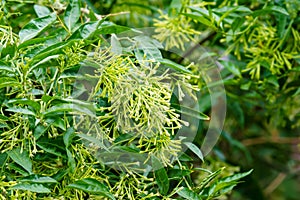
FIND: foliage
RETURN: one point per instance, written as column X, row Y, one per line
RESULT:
column 63, row 84
column 73, row 73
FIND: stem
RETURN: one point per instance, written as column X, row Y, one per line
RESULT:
column 53, row 81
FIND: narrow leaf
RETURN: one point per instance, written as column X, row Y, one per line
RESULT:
column 21, row 110
column 52, row 148
column 72, row 14
column 188, row 194
column 68, row 136
column 161, row 176
column 200, row 18
column 236, row 177
column 232, row 68
column 174, row 65
column 6, row 67
column 190, row 112
column 92, row 186
column 208, row 179
column 194, row 149
column 38, row 188
column 8, row 82
column 36, row 26
column 41, row 11
column 24, row 101
column 86, row 30
column 109, row 27
column 71, row 161
column 69, row 108
column 38, row 179
column 21, row 158
column 270, row 9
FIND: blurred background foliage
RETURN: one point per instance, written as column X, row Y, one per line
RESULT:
column 257, row 46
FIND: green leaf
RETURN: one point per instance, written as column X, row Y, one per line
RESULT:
column 224, row 9
column 59, row 123
column 38, row 179
column 41, row 11
column 6, row 67
column 188, row 194
column 71, row 161
column 177, row 174
column 246, row 86
column 194, row 149
column 8, row 82
column 108, row 27
column 236, row 177
column 190, row 112
column 185, row 158
column 281, row 26
column 237, row 23
column 72, row 14
column 270, row 9
column 52, row 148
column 3, row 159
column 226, row 184
column 21, row 158
column 174, row 65
column 68, row 136
column 51, row 52
column 92, row 186
column 38, row 188
column 161, row 176
column 175, row 4
column 200, row 18
column 48, row 58
column 220, row 188
column 232, row 68
column 208, row 179
column 40, row 130
column 28, row 102
column 149, row 46
column 116, row 46
column 93, row 140
column 37, row 45
column 36, row 26
column 86, row 30
column 21, row 110
column 65, row 107
column 18, row 168
column 296, row 93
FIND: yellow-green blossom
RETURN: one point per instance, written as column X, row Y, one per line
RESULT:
column 174, row 31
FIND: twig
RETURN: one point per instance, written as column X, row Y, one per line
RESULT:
column 275, row 183
column 99, row 17
column 191, row 50
column 275, row 139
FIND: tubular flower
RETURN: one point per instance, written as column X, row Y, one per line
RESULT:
column 174, row 31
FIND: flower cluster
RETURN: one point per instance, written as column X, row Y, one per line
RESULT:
column 174, row 30
column 139, row 103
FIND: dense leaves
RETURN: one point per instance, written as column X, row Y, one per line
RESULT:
column 91, row 106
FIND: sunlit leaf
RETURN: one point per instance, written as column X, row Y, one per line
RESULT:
column 188, row 194
column 72, row 14
column 41, row 11
column 194, row 149
column 36, row 26
column 38, row 179
column 92, row 186
column 38, row 188
column 173, row 65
